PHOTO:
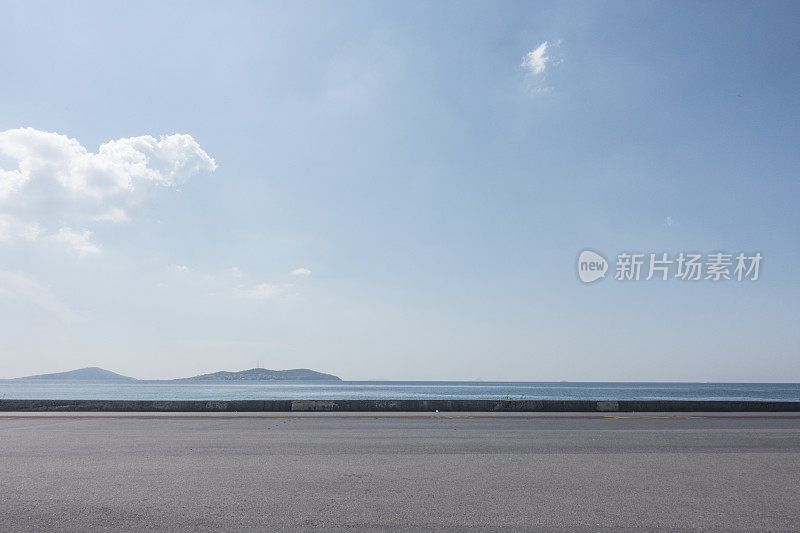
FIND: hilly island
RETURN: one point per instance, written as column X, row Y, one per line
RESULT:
column 254, row 374
column 263, row 374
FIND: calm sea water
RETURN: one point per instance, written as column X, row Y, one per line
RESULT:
column 293, row 390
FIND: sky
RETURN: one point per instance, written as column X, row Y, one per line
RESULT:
column 385, row 190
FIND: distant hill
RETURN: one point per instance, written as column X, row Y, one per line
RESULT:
column 92, row 373
column 263, row 374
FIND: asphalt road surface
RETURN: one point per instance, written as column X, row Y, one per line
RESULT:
column 412, row 472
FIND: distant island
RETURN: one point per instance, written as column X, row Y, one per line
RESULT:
column 263, row 374
column 254, row 374
column 91, row 373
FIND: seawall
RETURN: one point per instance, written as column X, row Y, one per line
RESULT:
column 562, row 406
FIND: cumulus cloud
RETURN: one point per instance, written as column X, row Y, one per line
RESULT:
column 535, row 61
column 47, row 179
column 302, row 272
column 21, row 288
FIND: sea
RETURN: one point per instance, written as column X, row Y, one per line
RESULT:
column 394, row 390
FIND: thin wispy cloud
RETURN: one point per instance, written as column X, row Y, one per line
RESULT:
column 25, row 290
column 225, row 283
column 300, row 272
column 15, row 228
column 262, row 291
column 50, row 183
column 537, row 63
column 78, row 241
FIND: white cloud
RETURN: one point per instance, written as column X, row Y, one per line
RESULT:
column 228, row 282
column 78, row 241
column 12, row 228
column 303, row 272
column 538, row 63
column 21, row 288
column 262, row 291
column 535, row 61
column 47, row 179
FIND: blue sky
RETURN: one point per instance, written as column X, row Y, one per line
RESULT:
column 395, row 193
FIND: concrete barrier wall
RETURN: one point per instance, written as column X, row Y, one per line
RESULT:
column 557, row 406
